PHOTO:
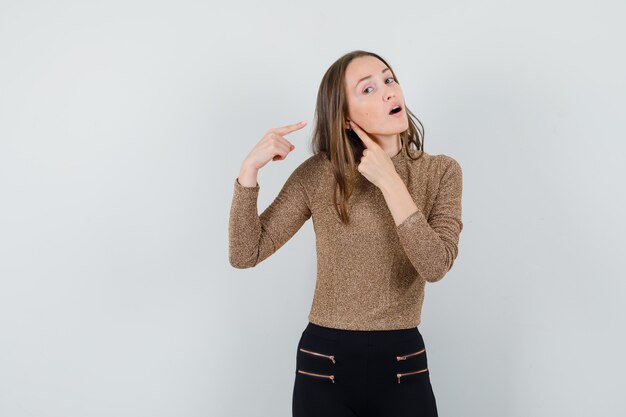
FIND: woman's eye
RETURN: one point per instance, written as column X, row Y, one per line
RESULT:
column 390, row 78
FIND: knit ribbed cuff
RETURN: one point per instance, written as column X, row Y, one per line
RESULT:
column 406, row 229
column 239, row 187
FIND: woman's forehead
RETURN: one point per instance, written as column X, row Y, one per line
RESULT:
column 364, row 68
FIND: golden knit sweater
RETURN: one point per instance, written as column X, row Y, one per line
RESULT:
column 371, row 274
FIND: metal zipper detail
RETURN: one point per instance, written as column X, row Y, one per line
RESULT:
column 331, row 357
column 331, row 377
column 402, row 358
column 410, row 373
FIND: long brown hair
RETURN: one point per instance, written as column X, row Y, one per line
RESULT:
column 331, row 138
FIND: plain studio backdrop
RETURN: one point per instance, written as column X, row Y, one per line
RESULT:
column 123, row 126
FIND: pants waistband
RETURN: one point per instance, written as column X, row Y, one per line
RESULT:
column 363, row 335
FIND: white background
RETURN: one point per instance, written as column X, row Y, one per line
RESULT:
column 123, row 125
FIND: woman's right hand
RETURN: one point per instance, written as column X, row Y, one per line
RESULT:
column 272, row 147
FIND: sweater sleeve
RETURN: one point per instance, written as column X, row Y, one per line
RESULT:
column 432, row 244
column 253, row 238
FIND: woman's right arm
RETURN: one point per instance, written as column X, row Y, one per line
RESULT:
column 253, row 238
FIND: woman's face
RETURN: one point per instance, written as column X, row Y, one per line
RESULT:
column 371, row 98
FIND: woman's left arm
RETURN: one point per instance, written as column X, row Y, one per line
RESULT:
column 430, row 244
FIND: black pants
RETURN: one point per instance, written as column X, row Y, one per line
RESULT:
column 358, row 373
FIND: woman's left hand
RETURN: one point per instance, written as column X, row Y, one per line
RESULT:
column 375, row 164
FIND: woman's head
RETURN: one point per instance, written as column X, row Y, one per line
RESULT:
column 346, row 94
column 371, row 91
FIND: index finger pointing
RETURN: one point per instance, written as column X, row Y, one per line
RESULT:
column 290, row 128
column 367, row 141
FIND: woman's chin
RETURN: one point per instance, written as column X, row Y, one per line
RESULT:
column 401, row 129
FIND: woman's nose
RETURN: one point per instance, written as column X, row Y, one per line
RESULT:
column 390, row 94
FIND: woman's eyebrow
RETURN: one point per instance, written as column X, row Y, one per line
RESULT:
column 369, row 76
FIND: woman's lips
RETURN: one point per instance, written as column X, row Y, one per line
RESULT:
column 398, row 113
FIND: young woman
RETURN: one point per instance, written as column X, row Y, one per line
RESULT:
column 387, row 219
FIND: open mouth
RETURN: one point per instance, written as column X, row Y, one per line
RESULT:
column 396, row 110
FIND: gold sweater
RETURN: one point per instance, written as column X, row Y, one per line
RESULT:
column 371, row 274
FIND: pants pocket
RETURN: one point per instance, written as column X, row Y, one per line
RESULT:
column 411, row 362
column 314, row 375
column 316, row 358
